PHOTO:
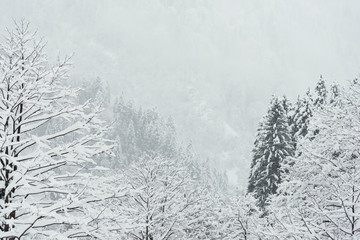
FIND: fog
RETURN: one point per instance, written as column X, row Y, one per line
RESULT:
column 212, row 65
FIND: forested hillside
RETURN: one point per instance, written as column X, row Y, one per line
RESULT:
column 210, row 65
column 81, row 158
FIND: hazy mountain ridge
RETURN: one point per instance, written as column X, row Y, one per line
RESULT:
column 233, row 54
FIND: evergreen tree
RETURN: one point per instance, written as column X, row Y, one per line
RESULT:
column 130, row 143
column 320, row 93
column 120, row 159
column 334, row 92
column 169, row 142
column 273, row 144
column 95, row 90
column 142, row 131
column 257, row 154
column 300, row 119
column 286, row 104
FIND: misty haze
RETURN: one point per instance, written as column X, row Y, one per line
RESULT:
column 179, row 119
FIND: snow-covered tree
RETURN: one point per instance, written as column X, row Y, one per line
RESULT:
column 257, row 155
column 95, row 90
column 306, row 105
column 302, row 113
column 287, row 106
column 321, row 93
column 320, row 197
column 203, row 172
column 169, row 141
column 143, row 132
column 334, row 92
column 244, row 218
column 273, row 144
column 160, row 201
column 44, row 193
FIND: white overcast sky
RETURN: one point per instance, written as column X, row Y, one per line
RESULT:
column 216, row 62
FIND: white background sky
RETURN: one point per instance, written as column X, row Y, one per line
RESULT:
column 213, row 65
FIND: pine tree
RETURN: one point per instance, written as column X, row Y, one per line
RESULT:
column 168, row 147
column 286, row 104
column 321, row 93
column 130, row 143
column 273, row 144
column 119, row 159
column 334, row 92
column 143, row 131
column 257, row 154
column 300, row 120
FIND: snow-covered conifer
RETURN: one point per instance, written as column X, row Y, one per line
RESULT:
column 303, row 111
column 321, row 93
column 334, row 92
column 273, row 144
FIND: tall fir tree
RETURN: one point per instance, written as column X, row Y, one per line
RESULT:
column 286, row 104
column 288, row 108
column 321, row 93
column 272, row 145
column 257, row 156
column 303, row 110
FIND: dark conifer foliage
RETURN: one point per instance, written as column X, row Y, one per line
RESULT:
column 321, row 93
column 272, row 145
column 277, row 136
column 301, row 115
column 334, row 92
